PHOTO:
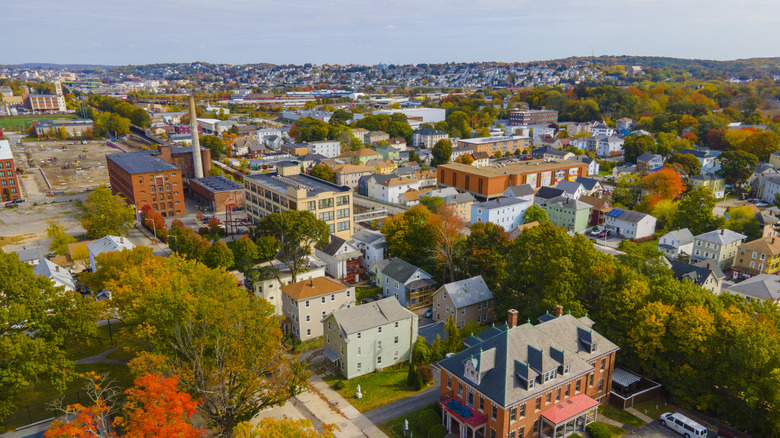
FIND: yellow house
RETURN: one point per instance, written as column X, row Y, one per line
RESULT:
column 363, row 156
column 385, row 167
column 760, row 256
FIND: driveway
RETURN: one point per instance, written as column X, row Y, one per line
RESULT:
column 653, row 430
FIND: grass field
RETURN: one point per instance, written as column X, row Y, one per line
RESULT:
column 379, row 388
column 655, row 407
column 395, row 428
column 17, row 123
column 620, row 415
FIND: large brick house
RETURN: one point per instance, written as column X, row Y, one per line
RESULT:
column 527, row 381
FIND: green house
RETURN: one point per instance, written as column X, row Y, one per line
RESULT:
column 568, row 213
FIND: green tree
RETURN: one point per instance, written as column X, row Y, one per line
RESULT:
column 309, row 129
column 686, row 164
column 535, row 213
column 627, row 191
column 432, row 202
column 296, row 232
column 214, row 143
column 737, row 166
column 441, row 152
column 103, row 214
column 245, row 254
column 355, row 144
column 410, row 236
column 323, row 172
column 218, row 255
column 32, row 304
column 485, row 250
column 340, row 116
column 226, row 345
column 695, row 211
column 743, row 220
column 59, row 238
column 636, row 145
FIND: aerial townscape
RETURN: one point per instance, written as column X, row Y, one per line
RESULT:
column 586, row 246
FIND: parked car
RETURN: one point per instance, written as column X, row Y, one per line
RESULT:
column 603, row 234
column 9, row 205
column 428, row 313
column 18, row 200
column 683, row 425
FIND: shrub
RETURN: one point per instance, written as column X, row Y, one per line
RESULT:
column 437, row 431
column 599, row 430
column 426, row 419
column 203, row 231
column 339, row 385
column 427, row 373
column 436, row 407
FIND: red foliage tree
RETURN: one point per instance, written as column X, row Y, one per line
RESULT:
column 664, row 184
column 149, row 217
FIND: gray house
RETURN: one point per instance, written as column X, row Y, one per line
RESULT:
column 649, row 162
column 361, row 339
column 465, row 300
column 412, row 286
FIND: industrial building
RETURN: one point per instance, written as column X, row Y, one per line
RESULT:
column 9, row 184
column 145, row 178
column 218, row 192
column 519, row 117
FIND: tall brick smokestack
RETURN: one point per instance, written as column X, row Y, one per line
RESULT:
column 196, row 160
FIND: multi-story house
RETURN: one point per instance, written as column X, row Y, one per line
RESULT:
column 343, row 260
column 327, row 148
column 362, row 339
column 676, row 242
column 719, row 247
column 649, row 162
column 593, row 165
column 410, row 285
column 465, row 300
column 708, row 159
column 599, row 207
column 288, row 189
column 390, row 190
column 349, row 174
column 568, row 213
column 760, row 256
column 427, row 138
column 388, row 152
column 106, row 244
column 362, row 156
column 605, row 145
column 9, row 184
column 306, row 303
column 710, row 278
column 630, row 224
column 375, row 137
column 523, row 191
column 525, row 381
column 506, row 212
column 717, row 184
column 592, row 187
column 275, row 274
column 372, row 244
column 461, row 205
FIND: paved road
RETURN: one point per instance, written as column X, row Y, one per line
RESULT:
column 400, row 407
column 653, row 430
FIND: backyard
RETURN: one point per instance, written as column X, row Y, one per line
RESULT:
column 379, row 388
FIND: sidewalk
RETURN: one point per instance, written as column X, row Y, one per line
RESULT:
column 358, row 426
column 639, row 415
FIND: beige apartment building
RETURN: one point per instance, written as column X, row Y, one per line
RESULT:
column 350, row 174
column 465, row 300
column 305, row 304
column 269, row 287
column 288, row 189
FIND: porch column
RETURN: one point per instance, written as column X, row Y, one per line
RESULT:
column 463, row 430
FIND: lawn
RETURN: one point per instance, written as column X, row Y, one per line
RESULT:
column 655, row 407
column 616, row 431
column 379, row 388
column 395, row 428
column 81, row 348
column 22, row 122
column 35, row 404
column 364, row 292
column 620, row 415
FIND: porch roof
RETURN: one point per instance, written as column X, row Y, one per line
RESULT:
column 569, row 408
column 463, row 413
column 331, row 355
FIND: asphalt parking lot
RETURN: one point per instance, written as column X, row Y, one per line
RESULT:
column 655, row 430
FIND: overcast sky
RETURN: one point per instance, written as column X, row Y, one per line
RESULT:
column 371, row 31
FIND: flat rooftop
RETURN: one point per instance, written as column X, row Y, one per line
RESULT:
column 313, row 186
column 216, row 184
column 512, row 168
column 141, row 162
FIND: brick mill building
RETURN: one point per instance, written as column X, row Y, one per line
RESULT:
column 143, row 178
column 9, row 183
column 545, row 380
column 488, row 182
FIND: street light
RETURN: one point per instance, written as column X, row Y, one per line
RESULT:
column 154, row 229
column 177, row 242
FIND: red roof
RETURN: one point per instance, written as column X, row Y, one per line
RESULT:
column 569, row 408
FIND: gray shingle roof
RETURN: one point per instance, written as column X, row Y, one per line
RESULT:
column 430, row 331
column 368, row 236
column 501, row 202
column 722, row 236
column 522, row 190
column 684, row 236
column 528, row 350
column 569, row 187
column 400, row 270
column 569, row 203
column 588, row 183
column 467, row 292
column 695, row 274
column 762, row 287
column 548, row 192
column 360, row 318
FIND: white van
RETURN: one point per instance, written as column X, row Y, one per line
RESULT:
column 683, row 425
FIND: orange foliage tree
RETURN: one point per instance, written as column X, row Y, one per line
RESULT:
column 149, row 217
column 664, row 184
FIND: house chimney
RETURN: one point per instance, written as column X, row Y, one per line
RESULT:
column 722, row 231
column 558, row 311
column 511, row 318
column 57, row 268
column 196, row 161
column 121, row 240
column 311, row 282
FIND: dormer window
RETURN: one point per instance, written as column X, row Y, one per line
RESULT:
column 593, row 347
column 549, row 375
column 531, row 383
column 566, row 369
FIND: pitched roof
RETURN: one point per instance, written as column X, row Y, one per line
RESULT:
column 596, row 203
column 335, row 244
column 502, row 202
column 722, row 236
column 627, row 215
column 109, row 243
column 647, row 156
column 521, row 190
column 313, row 288
column 764, row 245
column 547, row 192
column 400, row 270
column 569, row 203
column 466, row 292
column 766, row 218
column 59, row 275
column 762, row 286
column 368, row 236
column 696, row 274
column 342, row 169
column 431, row 331
column 528, row 351
column 360, row 318
column 569, row 187
column 588, row 183
column 684, row 236
column 518, row 230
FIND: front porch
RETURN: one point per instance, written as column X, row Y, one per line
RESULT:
column 460, row 420
column 568, row 417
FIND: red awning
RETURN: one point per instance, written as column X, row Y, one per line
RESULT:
column 569, row 408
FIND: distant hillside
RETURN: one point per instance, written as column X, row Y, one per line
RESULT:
column 62, row 66
column 745, row 68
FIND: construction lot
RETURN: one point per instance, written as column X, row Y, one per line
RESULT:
column 69, row 167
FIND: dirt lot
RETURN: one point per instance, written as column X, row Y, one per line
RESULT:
column 59, row 166
column 27, row 223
